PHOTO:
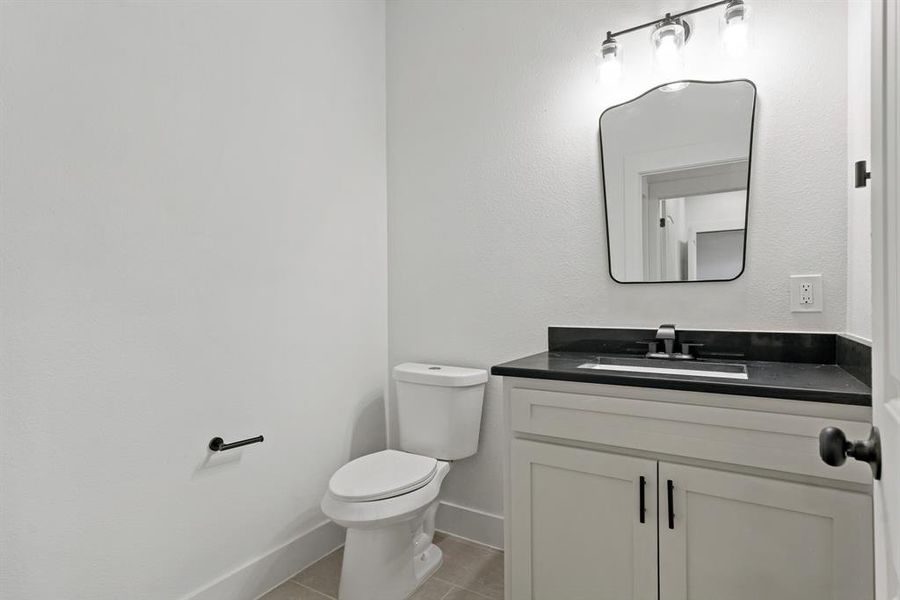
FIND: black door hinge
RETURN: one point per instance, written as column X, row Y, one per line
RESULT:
column 862, row 175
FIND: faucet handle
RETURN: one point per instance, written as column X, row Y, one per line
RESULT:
column 652, row 346
column 686, row 347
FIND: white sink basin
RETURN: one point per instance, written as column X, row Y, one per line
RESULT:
column 667, row 367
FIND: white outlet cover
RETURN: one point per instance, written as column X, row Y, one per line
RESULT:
column 817, row 293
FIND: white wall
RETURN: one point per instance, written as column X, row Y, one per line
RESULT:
column 859, row 208
column 720, row 207
column 192, row 243
column 495, row 212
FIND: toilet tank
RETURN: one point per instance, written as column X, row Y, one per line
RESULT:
column 439, row 409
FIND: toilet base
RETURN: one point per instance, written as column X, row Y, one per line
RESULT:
column 389, row 563
column 427, row 563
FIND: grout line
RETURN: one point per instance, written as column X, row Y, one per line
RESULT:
column 479, row 594
column 450, row 591
column 469, row 541
column 286, row 581
column 456, row 586
column 465, row 589
column 312, row 589
column 323, row 594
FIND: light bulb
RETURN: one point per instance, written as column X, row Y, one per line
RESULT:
column 736, row 29
column 610, row 71
column 610, row 62
column 667, row 53
column 668, row 40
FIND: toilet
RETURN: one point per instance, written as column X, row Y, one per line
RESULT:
column 387, row 500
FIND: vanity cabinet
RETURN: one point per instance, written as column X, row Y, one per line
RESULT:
column 620, row 493
column 576, row 520
column 743, row 537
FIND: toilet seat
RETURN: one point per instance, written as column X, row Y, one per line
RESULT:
column 382, row 475
column 380, row 513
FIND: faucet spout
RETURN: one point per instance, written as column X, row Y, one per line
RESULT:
column 667, row 335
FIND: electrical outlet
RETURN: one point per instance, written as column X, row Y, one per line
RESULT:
column 806, row 293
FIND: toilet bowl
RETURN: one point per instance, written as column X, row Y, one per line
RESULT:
column 388, row 500
column 388, row 552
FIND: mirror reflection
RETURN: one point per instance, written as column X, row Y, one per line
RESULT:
column 676, row 164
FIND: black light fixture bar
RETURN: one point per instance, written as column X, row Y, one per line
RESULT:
column 667, row 17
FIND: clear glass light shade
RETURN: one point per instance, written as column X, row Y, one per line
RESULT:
column 668, row 44
column 736, row 29
column 609, row 65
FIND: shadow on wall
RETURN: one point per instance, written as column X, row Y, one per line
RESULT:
column 213, row 462
column 369, row 427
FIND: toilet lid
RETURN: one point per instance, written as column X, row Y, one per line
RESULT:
column 382, row 475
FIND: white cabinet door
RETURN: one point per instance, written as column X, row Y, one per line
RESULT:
column 739, row 537
column 576, row 525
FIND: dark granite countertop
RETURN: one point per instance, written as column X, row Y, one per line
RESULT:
column 790, row 380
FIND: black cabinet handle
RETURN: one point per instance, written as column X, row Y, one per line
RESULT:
column 217, row 444
column 670, row 489
column 642, row 509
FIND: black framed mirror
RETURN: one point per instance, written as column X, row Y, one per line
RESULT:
column 676, row 181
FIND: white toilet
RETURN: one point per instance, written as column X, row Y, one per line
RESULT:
column 388, row 500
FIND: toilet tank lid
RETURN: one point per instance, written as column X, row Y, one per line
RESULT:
column 431, row 374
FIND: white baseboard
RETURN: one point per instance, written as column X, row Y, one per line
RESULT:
column 260, row 575
column 470, row 523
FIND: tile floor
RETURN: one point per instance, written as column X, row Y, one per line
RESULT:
column 470, row 572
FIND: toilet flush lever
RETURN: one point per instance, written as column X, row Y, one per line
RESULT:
column 217, row 444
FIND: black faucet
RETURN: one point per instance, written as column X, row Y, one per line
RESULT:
column 669, row 337
column 666, row 334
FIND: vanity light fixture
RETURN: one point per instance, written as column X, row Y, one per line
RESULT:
column 610, row 61
column 735, row 28
column 669, row 37
column 670, row 34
